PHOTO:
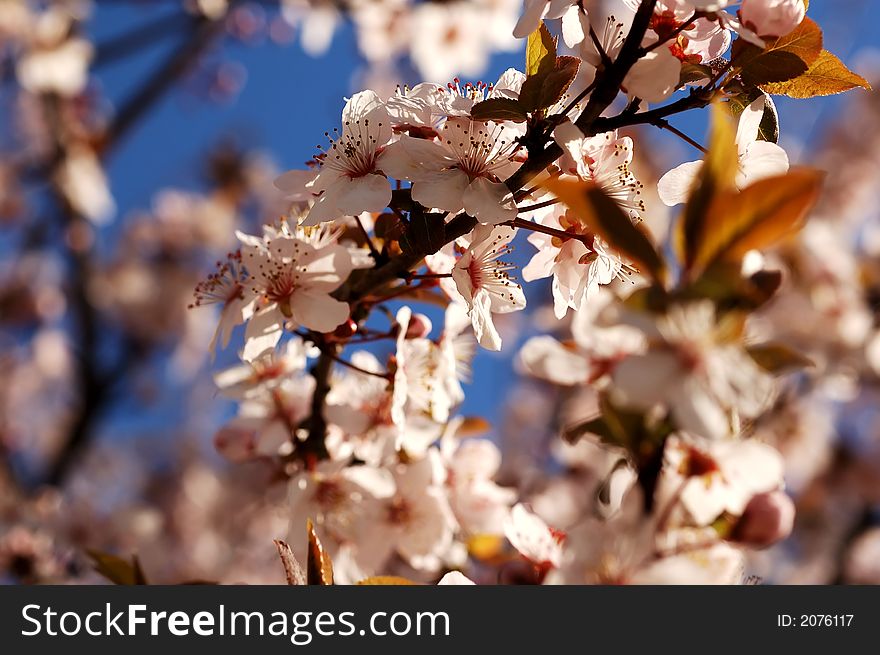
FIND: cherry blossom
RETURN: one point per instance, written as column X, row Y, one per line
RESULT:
column 290, row 279
column 533, row 538
column 416, row 521
column 696, row 366
column 350, row 179
column 772, row 18
column 463, row 170
column 600, row 341
column 266, row 422
column 757, row 159
column 536, row 10
column 480, row 505
column 484, row 281
column 714, row 477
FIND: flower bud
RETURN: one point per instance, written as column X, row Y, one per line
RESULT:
column 772, row 17
column 768, row 518
column 344, row 331
column 419, row 326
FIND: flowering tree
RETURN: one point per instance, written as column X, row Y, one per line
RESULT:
column 670, row 375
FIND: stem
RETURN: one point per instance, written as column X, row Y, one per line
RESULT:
column 355, row 367
column 88, row 379
column 580, row 96
column 426, row 276
column 551, row 231
column 316, row 423
column 603, row 95
column 662, row 123
column 93, row 386
column 540, row 205
column 373, row 252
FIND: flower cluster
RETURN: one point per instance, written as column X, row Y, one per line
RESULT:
column 675, row 406
column 428, row 188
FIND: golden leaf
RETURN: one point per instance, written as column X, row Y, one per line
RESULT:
column 117, row 570
column 826, row 76
column 605, row 218
column 472, row 425
column 386, row 580
column 319, row 568
column 717, row 175
column 540, row 51
column 485, row 547
column 758, row 217
column 782, row 59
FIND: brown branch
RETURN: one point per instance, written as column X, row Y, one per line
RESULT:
column 603, row 95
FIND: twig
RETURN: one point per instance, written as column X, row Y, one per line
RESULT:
column 539, row 205
column 355, row 367
column 373, row 252
column 425, row 276
column 662, row 123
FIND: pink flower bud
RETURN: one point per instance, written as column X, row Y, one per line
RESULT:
column 772, row 18
column 768, row 518
column 419, row 326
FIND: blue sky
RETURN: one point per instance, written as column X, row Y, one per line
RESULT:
column 289, row 100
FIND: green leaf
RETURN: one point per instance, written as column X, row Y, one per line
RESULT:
column 540, row 51
column 782, row 59
column 500, row 109
column 826, row 76
column 605, row 218
column 117, row 570
column 596, row 426
column 778, row 358
column 319, row 568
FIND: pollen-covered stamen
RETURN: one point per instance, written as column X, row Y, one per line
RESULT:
column 491, row 273
column 318, row 236
column 470, row 91
column 612, row 174
column 354, row 151
column 485, row 147
column 276, row 277
column 613, row 36
column 224, row 286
